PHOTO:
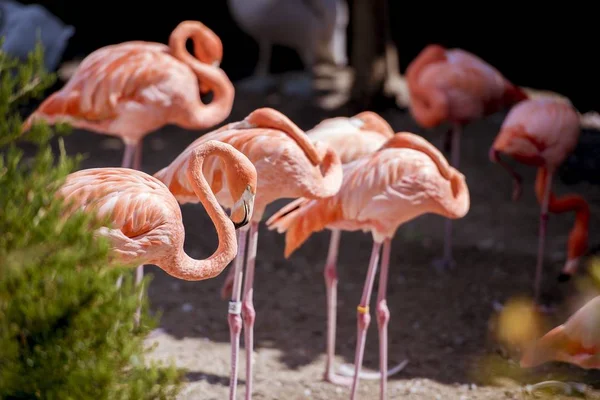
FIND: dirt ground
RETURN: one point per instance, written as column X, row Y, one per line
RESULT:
column 442, row 323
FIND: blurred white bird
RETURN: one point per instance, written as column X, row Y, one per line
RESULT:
column 315, row 29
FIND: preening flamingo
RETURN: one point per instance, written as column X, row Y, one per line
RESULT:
column 577, row 341
column 455, row 86
column 405, row 178
column 288, row 166
column 133, row 88
column 146, row 225
column 351, row 138
column 542, row 133
column 315, row 29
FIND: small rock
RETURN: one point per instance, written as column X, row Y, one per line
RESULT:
column 472, row 386
column 338, row 390
column 187, row 307
column 307, row 392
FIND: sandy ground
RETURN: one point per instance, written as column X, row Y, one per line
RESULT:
column 441, row 323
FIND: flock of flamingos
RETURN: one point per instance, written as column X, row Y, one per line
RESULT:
column 345, row 174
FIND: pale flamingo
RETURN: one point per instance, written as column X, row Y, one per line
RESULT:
column 133, row 88
column 576, row 342
column 288, row 166
column 405, row 178
column 315, row 29
column 351, row 138
column 455, row 86
column 145, row 218
column 542, row 133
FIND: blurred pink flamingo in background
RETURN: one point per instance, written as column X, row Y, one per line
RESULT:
column 455, row 86
column 542, row 133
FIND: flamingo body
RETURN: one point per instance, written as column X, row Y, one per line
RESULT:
column 542, row 133
column 453, row 85
column 133, row 88
column 144, row 219
column 287, row 163
column 379, row 193
column 577, row 341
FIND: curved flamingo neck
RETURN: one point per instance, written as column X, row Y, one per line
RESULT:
column 273, row 119
column 578, row 237
column 203, row 116
column 190, row 268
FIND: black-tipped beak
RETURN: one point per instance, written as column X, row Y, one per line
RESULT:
column 244, row 222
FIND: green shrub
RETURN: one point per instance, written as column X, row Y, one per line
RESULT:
column 66, row 331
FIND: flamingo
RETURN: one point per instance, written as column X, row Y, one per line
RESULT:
column 455, row 86
column 405, row 178
column 351, row 138
column 145, row 223
column 133, row 88
column 576, row 342
column 288, row 165
column 315, row 29
column 542, row 133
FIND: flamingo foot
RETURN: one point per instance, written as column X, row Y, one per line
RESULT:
column 443, row 264
column 338, row 380
column 347, row 370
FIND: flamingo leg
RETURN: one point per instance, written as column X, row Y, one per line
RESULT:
column 331, row 281
column 447, row 261
column 137, row 158
column 235, row 307
column 383, row 316
column 139, row 271
column 128, row 155
column 261, row 81
column 542, row 237
column 126, row 163
column 363, row 317
column 248, row 312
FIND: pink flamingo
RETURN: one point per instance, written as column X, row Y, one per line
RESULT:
column 405, row 178
column 576, row 342
column 352, row 138
column 455, row 86
column 145, row 218
column 134, row 88
column 288, row 165
column 542, row 133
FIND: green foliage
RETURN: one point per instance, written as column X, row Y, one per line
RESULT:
column 66, row 331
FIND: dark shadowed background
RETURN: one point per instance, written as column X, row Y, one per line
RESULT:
column 544, row 48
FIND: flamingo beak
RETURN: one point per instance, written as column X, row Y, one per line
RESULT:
column 241, row 212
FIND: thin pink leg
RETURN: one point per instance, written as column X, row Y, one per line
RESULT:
column 126, row 163
column 363, row 317
column 248, row 312
column 383, row 316
column 542, row 238
column 235, row 308
column 128, row 155
column 137, row 158
column 139, row 271
column 331, row 281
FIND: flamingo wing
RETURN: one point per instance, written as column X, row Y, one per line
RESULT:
column 139, row 209
column 115, row 79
